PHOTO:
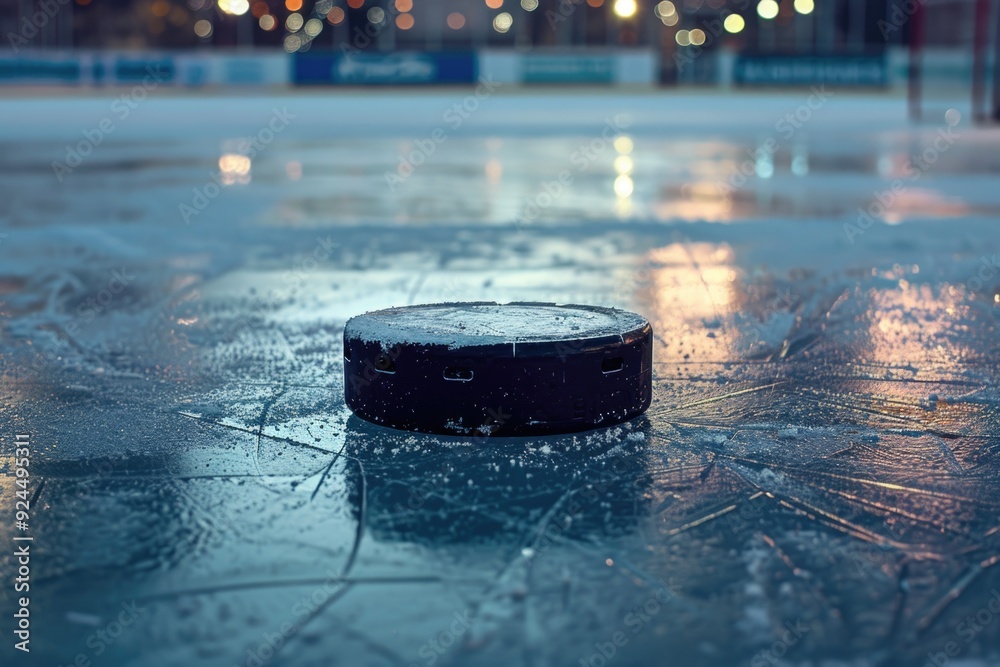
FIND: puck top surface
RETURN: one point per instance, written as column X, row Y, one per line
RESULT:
column 458, row 325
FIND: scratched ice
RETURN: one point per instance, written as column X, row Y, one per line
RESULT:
column 816, row 482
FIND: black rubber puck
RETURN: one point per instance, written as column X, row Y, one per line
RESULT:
column 485, row 369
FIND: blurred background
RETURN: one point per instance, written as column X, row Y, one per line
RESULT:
column 931, row 47
column 800, row 195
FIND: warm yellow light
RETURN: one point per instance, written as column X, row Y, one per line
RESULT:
column 233, row 163
column 623, row 144
column 234, row 7
column 734, row 23
column 267, row 22
column 404, row 5
column 294, row 22
column 624, row 186
column 529, row 5
column 404, row 21
column 697, row 37
column 804, row 6
column 625, row 8
column 683, row 38
column 767, row 9
column 624, row 164
column 671, row 20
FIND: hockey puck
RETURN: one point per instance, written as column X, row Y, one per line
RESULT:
column 485, row 369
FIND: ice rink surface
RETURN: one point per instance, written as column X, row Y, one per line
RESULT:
column 817, row 481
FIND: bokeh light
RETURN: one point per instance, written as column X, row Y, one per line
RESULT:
column 234, row 168
column 734, row 23
column 697, row 37
column 404, row 5
column 595, row 3
column 624, row 186
column 294, row 22
column 355, row 4
column 455, row 21
column 293, row 5
column 234, row 7
column 203, row 28
column 529, row 5
column 335, row 16
column 683, row 38
column 292, row 43
column 404, row 21
column 625, row 8
column 267, row 22
column 494, row 4
column 313, row 27
column 623, row 144
column 376, row 15
column 503, row 22
column 259, row 8
column 665, row 8
column 804, row 6
column 767, row 9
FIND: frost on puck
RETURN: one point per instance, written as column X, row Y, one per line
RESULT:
column 486, row 369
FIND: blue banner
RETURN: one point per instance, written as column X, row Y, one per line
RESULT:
column 568, row 69
column 32, row 70
column 399, row 68
column 804, row 70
